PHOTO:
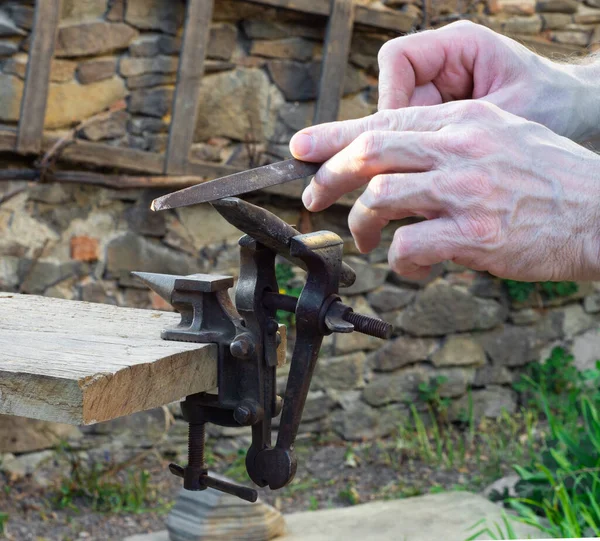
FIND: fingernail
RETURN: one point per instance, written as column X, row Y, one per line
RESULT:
column 307, row 198
column 301, row 144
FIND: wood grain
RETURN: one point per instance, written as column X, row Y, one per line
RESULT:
column 81, row 363
column 335, row 61
column 377, row 18
column 37, row 79
column 187, row 89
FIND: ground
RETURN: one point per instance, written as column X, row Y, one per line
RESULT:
column 57, row 501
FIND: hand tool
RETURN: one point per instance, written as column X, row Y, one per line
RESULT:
column 246, row 335
column 238, row 183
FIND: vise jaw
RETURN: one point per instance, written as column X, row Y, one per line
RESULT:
column 247, row 335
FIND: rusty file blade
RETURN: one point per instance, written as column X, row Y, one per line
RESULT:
column 238, row 183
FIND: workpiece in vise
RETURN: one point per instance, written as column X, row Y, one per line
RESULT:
column 247, row 337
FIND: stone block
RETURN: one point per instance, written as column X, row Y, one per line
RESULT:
column 442, row 309
column 150, row 80
column 155, row 102
column 591, row 303
column 401, row 352
column 116, row 10
column 21, row 15
column 459, row 351
column 110, row 127
column 492, row 375
column 555, row 21
column 82, row 10
column 340, row 373
column 557, row 6
column 570, row 37
column 43, row 274
column 510, row 346
column 388, row 297
column 318, row 405
column 133, row 66
column 144, row 221
column 95, row 70
column 523, row 25
column 288, row 48
column 60, row 70
column 368, row 276
column 576, row 321
column 139, row 125
column 222, row 41
column 587, row 15
column 527, row 316
column 586, row 349
column 512, row 7
column 457, row 380
column 361, row 422
column 401, row 386
column 84, row 248
column 8, row 48
column 239, row 104
column 93, row 38
column 130, row 252
column 164, row 15
column 22, row 435
column 300, row 81
column 490, row 403
column 99, row 292
column 146, row 45
column 9, row 272
column 70, row 103
column 262, row 29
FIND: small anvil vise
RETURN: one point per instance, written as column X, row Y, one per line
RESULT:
column 247, row 338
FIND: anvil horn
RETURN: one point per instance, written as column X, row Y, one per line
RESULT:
column 162, row 284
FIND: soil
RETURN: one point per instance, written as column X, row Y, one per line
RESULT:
column 330, row 474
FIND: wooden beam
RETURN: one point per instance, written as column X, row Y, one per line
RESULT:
column 81, row 363
column 378, row 18
column 189, row 79
column 335, row 61
column 37, row 79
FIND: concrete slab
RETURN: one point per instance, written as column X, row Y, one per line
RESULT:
column 446, row 516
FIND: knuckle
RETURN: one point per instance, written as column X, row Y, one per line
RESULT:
column 383, row 121
column 379, row 189
column 367, row 146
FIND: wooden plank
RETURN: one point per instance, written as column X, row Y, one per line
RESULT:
column 387, row 19
column 187, row 89
column 8, row 138
column 81, row 363
column 335, row 61
column 37, row 79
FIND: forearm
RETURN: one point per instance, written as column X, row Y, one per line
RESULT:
column 584, row 84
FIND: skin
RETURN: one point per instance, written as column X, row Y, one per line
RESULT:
column 476, row 134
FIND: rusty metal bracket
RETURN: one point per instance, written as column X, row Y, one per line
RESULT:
column 247, row 337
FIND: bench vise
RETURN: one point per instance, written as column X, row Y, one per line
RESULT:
column 247, row 337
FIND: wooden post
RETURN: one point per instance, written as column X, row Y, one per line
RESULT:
column 189, row 78
column 335, row 61
column 35, row 93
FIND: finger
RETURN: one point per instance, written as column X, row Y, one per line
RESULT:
column 321, row 142
column 425, row 95
column 370, row 154
column 448, row 53
column 392, row 197
column 424, row 244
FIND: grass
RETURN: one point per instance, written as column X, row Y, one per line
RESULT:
column 3, row 520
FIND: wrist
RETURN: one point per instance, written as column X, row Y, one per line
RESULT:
column 582, row 85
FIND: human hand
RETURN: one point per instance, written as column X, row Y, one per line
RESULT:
column 464, row 60
column 500, row 193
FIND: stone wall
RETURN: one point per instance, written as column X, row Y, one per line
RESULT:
column 80, row 242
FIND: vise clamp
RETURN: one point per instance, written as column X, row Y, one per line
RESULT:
column 247, row 337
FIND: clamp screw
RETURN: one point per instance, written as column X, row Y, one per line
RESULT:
column 242, row 346
column 369, row 325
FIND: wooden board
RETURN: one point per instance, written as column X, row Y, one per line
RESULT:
column 377, row 18
column 187, row 89
column 37, row 79
column 335, row 61
column 81, row 363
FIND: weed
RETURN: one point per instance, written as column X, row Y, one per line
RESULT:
column 3, row 522
column 349, row 495
column 313, row 503
column 521, row 291
column 285, row 278
column 105, row 487
column 429, row 393
column 237, row 469
column 498, row 533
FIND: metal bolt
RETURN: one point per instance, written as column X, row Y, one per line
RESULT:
column 369, row 325
column 242, row 346
column 242, row 414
